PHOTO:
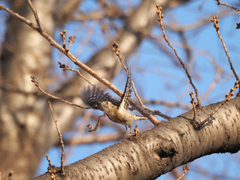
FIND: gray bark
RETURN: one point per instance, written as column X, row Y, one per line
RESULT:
column 163, row 148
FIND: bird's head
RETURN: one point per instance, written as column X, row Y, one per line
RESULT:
column 108, row 106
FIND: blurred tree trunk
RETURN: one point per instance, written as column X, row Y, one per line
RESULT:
column 26, row 128
column 23, row 135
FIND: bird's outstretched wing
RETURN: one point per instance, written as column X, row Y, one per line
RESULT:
column 124, row 103
column 94, row 96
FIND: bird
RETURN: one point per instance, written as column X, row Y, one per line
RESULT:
column 116, row 111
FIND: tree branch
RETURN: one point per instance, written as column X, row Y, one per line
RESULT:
column 163, row 148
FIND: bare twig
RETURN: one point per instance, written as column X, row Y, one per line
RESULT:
column 63, row 33
column 34, row 80
column 194, row 105
column 116, row 49
column 49, row 161
column 227, row 98
column 60, row 137
column 71, row 40
column 225, row 4
column 215, row 21
column 9, row 175
column 65, row 68
column 136, row 94
column 169, row 104
column 117, row 52
column 185, row 169
column 51, row 171
column 159, row 12
column 78, row 135
column 158, row 113
column 35, row 15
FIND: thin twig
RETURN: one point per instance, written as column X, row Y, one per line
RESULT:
column 169, row 104
column 136, row 94
column 215, row 21
column 34, row 80
column 77, row 71
column 65, row 68
column 185, row 169
column 35, row 15
column 63, row 33
column 159, row 12
column 49, row 161
column 194, row 105
column 116, row 49
column 117, row 52
column 225, row 4
column 9, row 175
column 60, row 137
column 158, row 113
column 51, row 171
column 227, row 98
column 78, row 135
column 71, row 40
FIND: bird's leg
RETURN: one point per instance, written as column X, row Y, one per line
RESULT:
column 90, row 127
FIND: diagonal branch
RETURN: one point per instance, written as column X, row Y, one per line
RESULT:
column 34, row 80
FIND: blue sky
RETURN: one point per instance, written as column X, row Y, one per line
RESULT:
column 161, row 79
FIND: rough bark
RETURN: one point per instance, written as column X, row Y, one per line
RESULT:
column 163, row 148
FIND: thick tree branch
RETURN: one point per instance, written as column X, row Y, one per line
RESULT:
column 164, row 148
